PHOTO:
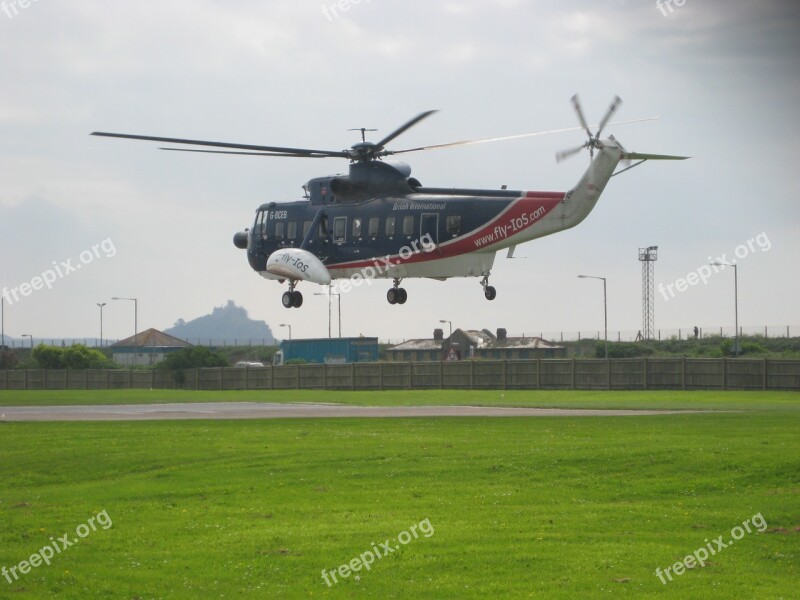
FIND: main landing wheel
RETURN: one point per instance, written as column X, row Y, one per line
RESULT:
column 292, row 299
column 490, row 292
column 397, row 296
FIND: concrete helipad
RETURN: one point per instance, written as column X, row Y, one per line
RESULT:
column 257, row 410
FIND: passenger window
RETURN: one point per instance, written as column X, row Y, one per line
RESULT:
column 279, row 230
column 339, row 229
column 390, row 226
column 306, row 228
column 291, row 232
column 373, row 227
column 454, row 224
column 408, row 225
column 356, row 228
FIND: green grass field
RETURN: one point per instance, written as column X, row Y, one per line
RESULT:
column 561, row 507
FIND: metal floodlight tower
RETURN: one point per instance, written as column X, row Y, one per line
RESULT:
column 648, row 256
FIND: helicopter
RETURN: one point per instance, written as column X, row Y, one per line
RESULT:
column 378, row 221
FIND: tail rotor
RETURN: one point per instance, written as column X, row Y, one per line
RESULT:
column 594, row 138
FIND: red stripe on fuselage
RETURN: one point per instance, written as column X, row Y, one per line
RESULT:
column 518, row 216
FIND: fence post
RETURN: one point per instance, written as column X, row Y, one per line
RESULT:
column 272, row 377
column 130, row 379
column 380, row 374
column 324, row 376
column 353, row 376
column 765, row 374
column 608, row 373
column 66, row 380
column 644, row 387
column 410, row 373
column 107, row 378
column 45, row 379
column 472, row 374
column 538, row 373
column 297, row 377
column 683, row 373
column 152, row 378
column 724, row 373
column 220, row 378
column 505, row 373
column 441, row 374
column 572, row 385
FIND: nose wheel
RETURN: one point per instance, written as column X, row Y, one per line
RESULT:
column 488, row 290
column 397, row 295
column 292, row 298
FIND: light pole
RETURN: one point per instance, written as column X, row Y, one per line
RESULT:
column 28, row 335
column 135, row 316
column 339, row 300
column 328, row 294
column 101, row 305
column 290, row 330
column 735, row 301
column 605, row 307
column 449, row 323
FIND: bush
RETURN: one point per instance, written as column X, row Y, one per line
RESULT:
column 622, row 350
column 196, row 357
column 74, row 357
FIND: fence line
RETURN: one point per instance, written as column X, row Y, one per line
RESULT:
column 630, row 335
column 544, row 374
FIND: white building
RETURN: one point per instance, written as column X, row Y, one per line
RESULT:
column 146, row 348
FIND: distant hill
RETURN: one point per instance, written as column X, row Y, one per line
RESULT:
column 227, row 325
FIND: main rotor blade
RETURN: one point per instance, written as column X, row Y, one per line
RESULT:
column 285, row 154
column 404, row 128
column 564, row 154
column 293, row 151
column 507, row 137
column 577, row 104
column 611, row 110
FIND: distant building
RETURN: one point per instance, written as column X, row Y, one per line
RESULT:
column 473, row 344
column 146, row 348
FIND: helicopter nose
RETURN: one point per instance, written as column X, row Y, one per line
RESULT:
column 240, row 240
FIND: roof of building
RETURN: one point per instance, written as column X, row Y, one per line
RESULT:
column 151, row 338
column 482, row 340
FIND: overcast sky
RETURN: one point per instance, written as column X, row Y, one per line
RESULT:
column 722, row 76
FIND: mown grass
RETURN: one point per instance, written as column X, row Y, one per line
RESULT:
column 733, row 400
column 524, row 507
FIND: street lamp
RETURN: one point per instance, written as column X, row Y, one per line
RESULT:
column 339, row 298
column 290, row 329
column 605, row 306
column 735, row 300
column 328, row 294
column 135, row 316
column 101, row 305
column 28, row 335
column 449, row 323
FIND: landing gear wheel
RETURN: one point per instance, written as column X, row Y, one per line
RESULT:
column 297, row 299
column 490, row 292
column 392, row 296
column 402, row 296
column 287, row 299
